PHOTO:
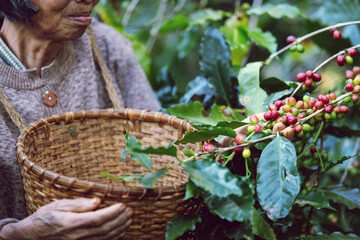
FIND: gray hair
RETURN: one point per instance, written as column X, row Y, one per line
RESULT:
column 16, row 10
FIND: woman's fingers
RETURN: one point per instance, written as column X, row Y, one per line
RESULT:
column 113, row 227
column 74, row 205
column 115, row 233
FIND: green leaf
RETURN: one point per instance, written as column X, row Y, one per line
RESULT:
column 179, row 225
column 263, row 144
column 204, row 16
column 273, row 85
column 328, row 165
column 205, row 134
column 132, row 144
column 215, row 62
column 278, row 179
column 276, row 11
column 126, row 178
column 148, row 180
column 200, row 86
column 350, row 197
column 261, row 228
column 178, row 21
column 214, row 178
column 231, row 208
column 192, row 191
column 251, row 95
column 195, row 113
column 315, row 199
column 334, row 236
column 264, row 39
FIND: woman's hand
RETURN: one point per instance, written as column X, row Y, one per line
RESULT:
column 72, row 219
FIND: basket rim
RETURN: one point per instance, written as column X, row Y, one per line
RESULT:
column 83, row 186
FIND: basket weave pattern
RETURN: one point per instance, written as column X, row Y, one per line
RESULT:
column 62, row 158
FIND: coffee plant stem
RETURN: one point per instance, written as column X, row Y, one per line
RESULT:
column 184, row 161
column 300, row 39
column 324, row 63
column 340, row 98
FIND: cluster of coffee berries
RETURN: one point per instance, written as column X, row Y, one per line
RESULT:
column 353, row 85
column 348, row 57
column 335, row 33
column 309, row 78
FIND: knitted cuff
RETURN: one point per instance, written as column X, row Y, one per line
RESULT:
column 5, row 221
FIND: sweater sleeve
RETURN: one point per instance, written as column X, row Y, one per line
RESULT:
column 129, row 78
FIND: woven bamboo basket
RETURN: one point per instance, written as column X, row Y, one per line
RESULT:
column 62, row 158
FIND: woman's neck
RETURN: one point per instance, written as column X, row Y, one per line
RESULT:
column 32, row 50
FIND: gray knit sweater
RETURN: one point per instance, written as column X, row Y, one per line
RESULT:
column 76, row 80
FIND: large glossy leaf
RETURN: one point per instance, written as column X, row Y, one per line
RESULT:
column 198, row 87
column 215, row 62
column 195, row 113
column 131, row 145
column 179, row 225
column 205, row 134
column 231, row 208
column 263, row 39
column 334, row 236
column 261, row 228
column 315, row 199
column 350, row 197
column 214, row 178
column 251, row 95
column 148, row 180
column 278, row 179
column 273, row 85
column 335, row 11
column 277, row 11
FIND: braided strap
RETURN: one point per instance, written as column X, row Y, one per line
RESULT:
column 14, row 115
column 105, row 74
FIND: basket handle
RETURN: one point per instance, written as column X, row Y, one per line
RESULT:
column 104, row 72
column 18, row 120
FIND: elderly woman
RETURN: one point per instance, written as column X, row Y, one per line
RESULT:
column 47, row 67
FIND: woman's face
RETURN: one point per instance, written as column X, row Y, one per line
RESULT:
column 62, row 20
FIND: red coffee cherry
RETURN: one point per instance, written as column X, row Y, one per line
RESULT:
column 279, row 126
column 328, row 109
column 344, row 109
column 319, row 105
column 291, row 101
column 239, row 139
column 278, row 103
column 208, row 147
column 356, row 70
column 349, row 74
column 254, row 119
column 267, row 116
column 309, row 73
column 323, row 99
column 301, row 77
column 273, row 107
column 274, row 114
column 316, row 77
column 312, row 102
column 308, row 82
column 298, row 128
column 258, row 128
column 290, row 39
column 337, row 34
column 340, row 60
column 357, row 89
column 352, row 52
column 332, row 96
column 291, row 120
column 349, row 87
column 355, row 98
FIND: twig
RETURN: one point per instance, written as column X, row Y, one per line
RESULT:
column 324, row 63
column 356, row 148
column 129, row 10
column 300, row 39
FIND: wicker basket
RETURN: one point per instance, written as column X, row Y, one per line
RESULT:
column 62, row 158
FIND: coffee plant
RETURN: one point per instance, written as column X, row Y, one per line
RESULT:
column 272, row 163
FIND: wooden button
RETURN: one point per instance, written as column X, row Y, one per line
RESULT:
column 49, row 99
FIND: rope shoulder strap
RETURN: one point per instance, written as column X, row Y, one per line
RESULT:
column 104, row 72
column 14, row 115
